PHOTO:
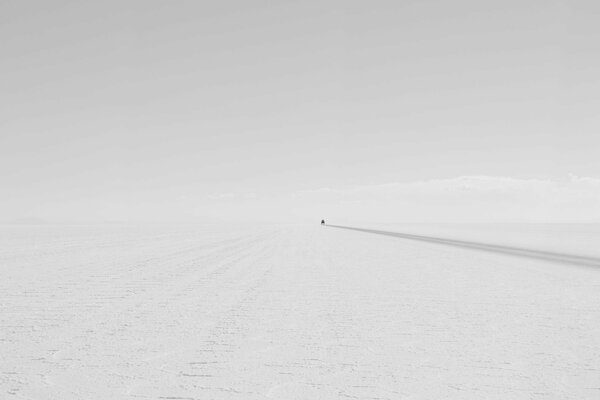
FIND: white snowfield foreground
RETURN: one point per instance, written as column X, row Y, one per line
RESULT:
column 188, row 312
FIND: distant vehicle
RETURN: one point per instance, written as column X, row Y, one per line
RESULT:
column 322, row 222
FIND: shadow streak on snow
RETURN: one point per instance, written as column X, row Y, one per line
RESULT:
column 515, row 251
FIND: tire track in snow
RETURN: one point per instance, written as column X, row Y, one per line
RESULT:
column 513, row 251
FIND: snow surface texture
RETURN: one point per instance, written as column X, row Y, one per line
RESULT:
column 187, row 312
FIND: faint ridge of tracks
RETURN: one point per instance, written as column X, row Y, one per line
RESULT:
column 561, row 258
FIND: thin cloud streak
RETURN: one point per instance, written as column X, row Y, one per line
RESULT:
column 464, row 199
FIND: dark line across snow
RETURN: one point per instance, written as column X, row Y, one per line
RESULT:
column 515, row 251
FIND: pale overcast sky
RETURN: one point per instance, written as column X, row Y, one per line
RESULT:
column 287, row 110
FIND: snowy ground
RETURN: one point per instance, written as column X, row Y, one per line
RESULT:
column 189, row 312
column 577, row 239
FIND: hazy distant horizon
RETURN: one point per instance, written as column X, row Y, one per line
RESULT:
column 463, row 199
column 248, row 111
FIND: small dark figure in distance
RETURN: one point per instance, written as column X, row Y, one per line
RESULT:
column 322, row 222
